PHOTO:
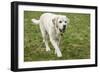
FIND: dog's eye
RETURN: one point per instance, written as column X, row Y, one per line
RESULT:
column 60, row 21
column 65, row 21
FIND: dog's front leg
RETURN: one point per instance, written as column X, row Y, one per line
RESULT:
column 57, row 49
column 58, row 42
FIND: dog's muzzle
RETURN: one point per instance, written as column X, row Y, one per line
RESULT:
column 63, row 30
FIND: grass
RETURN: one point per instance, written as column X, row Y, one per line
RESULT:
column 75, row 44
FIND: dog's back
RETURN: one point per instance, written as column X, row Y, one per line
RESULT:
column 46, row 20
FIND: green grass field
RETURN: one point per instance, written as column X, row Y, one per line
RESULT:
column 75, row 44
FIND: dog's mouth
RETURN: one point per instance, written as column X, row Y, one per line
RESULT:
column 62, row 30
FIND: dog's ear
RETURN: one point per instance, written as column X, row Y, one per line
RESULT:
column 54, row 21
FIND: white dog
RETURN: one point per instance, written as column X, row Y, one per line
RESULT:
column 52, row 26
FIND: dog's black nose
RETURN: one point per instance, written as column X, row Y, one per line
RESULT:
column 64, row 26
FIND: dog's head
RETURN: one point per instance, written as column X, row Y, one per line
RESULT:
column 60, row 23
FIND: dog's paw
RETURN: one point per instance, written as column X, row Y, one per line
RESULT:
column 59, row 55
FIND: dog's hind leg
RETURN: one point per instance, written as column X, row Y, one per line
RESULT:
column 46, row 42
column 45, row 37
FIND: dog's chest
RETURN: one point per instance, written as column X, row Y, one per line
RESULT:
column 55, row 34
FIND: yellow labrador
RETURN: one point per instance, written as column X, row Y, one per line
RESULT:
column 52, row 26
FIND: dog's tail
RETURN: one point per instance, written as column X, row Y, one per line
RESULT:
column 35, row 21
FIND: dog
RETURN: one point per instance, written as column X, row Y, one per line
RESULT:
column 52, row 26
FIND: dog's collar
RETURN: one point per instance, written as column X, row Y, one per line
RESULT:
column 61, row 34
